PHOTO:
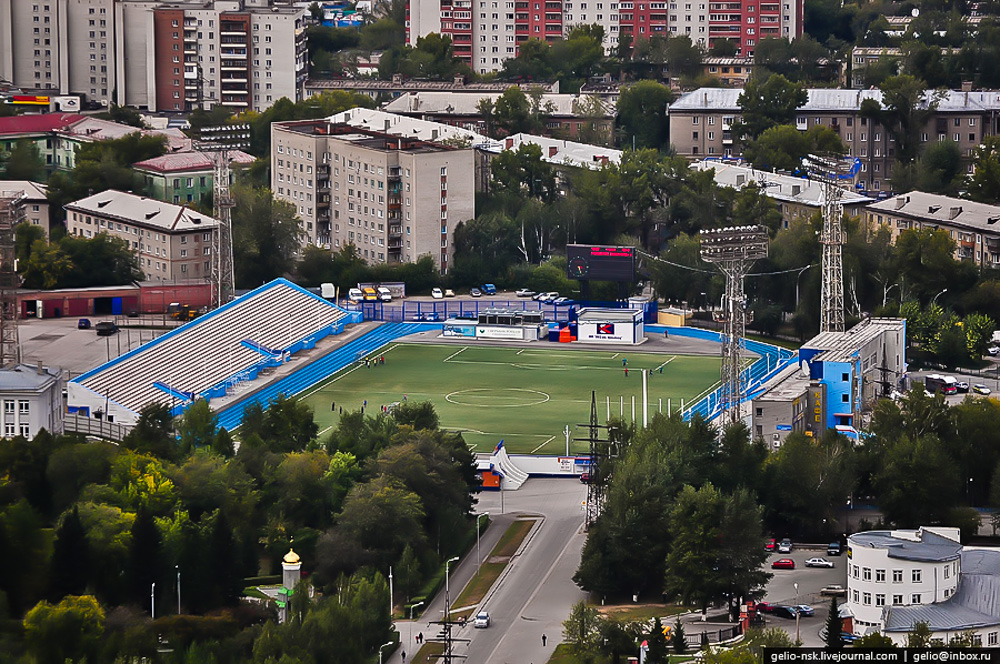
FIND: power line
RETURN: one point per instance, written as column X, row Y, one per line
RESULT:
column 696, row 269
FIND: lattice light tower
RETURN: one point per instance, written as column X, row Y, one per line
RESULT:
column 832, row 173
column 219, row 143
column 11, row 214
column 734, row 250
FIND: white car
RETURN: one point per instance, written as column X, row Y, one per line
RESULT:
column 979, row 388
column 524, row 292
column 437, row 294
column 785, row 546
column 993, row 350
column 355, row 295
column 819, row 562
column 548, row 297
column 482, row 620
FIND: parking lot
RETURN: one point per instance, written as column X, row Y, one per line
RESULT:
column 781, row 590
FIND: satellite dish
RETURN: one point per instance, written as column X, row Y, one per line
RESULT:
column 804, row 367
column 915, row 13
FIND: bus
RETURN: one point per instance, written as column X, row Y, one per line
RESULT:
column 935, row 383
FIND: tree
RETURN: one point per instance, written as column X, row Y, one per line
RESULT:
column 69, row 630
column 984, row 183
column 939, row 170
column 907, row 501
column 834, row 627
column 513, row 112
column 783, row 147
column 83, row 262
column 919, row 636
column 581, row 630
column 24, row 162
column 197, row 426
column 768, row 103
column 642, row 115
column 657, row 644
column 145, row 557
column 723, row 48
column 876, row 641
column 978, row 333
column 70, row 566
column 266, row 236
column 522, row 172
column 153, row 432
column 904, row 111
column 416, row 414
column 692, row 572
column 678, row 641
column 227, row 577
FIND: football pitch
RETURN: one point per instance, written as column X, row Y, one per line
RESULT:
column 525, row 396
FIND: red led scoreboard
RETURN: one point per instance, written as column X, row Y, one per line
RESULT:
column 600, row 263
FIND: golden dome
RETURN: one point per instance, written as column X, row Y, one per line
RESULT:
column 291, row 557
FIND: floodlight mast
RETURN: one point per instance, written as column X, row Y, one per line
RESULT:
column 734, row 250
column 11, row 214
column 831, row 173
column 219, row 143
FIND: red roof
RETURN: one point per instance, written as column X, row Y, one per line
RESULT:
column 34, row 124
column 188, row 161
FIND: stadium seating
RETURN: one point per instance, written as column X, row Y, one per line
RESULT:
column 204, row 354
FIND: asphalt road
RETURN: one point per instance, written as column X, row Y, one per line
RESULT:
column 536, row 592
column 810, row 579
column 59, row 343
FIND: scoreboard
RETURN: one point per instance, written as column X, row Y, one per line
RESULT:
column 600, row 263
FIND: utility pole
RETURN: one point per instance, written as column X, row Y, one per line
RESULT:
column 11, row 214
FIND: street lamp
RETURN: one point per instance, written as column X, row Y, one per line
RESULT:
column 479, row 554
column 412, row 606
column 798, row 279
column 797, row 640
column 178, row 568
column 447, row 587
column 384, row 645
column 152, row 601
column 939, row 295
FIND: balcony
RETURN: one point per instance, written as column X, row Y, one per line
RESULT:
column 395, row 230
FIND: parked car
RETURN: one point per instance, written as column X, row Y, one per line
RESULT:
column 770, row 544
column 833, row 549
column 482, row 620
column 106, row 328
column 432, row 316
column 83, row 324
column 834, row 590
column 804, row 610
column 524, row 292
column 355, row 295
column 437, row 293
column 819, row 562
column 993, row 350
column 585, row 478
column 548, row 297
column 765, row 607
column 559, row 301
column 449, row 292
column 384, row 294
column 783, row 563
column 489, row 289
column 785, row 546
column 962, row 386
column 475, row 292
column 979, row 388
column 784, row 611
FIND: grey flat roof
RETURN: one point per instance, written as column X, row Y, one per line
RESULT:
column 142, row 211
column 936, row 209
column 26, row 377
column 778, row 186
column 930, row 548
column 842, row 346
column 788, row 384
column 592, row 314
column 822, row 99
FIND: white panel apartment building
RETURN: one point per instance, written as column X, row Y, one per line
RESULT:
column 171, row 241
column 394, row 198
column 128, row 51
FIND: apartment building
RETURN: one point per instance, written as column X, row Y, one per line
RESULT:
column 487, row 32
column 34, row 201
column 184, row 177
column 975, row 227
column 156, row 55
column 701, row 125
column 395, row 198
column 399, row 85
column 172, row 242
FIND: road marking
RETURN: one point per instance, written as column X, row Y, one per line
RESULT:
column 542, row 445
column 455, row 353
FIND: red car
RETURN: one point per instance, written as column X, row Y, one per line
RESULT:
column 770, row 544
column 783, row 563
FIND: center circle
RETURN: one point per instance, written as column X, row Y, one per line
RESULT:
column 509, row 397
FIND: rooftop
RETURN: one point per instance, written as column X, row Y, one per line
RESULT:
column 33, row 191
column 827, row 100
column 367, row 84
column 921, row 545
column 178, row 162
column 401, row 125
column 934, row 208
column 778, row 186
column 843, row 346
column 559, row 105
column 37, row 124
column 788, row 384
column 369, row 138
column 143, row 211
column 27, row 377
column 95, row 129
column 558, row 151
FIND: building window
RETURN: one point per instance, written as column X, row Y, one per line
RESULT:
column 8, row 406
column 897, row 599
column 880, row 576
column 866, row 599
column 915, row 598
column 22, row 407
column 879, row 599
column 866, row 573
column 916, row 576
column 897, row 576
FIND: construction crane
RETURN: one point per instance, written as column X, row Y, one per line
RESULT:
column 833, row 173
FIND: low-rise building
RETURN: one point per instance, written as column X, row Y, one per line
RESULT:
column 172, row 242
column 183, row 177
column 729, row 71
column 32, row 400
column 34, row 200
column 975, row 227
column 792, row 403
column 398, row 86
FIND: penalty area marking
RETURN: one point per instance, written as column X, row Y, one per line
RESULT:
column 455, row 353
column 551, row 438
column 672, row 358
column 455, row 397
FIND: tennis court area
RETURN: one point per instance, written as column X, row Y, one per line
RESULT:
column 524, row 395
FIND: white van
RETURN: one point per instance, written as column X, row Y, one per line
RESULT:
column 384, row 294
column 355, row 295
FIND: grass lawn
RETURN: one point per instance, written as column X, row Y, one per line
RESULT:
column 426, row 652
column 487, row 575
column 525, row 396
column 641, row 612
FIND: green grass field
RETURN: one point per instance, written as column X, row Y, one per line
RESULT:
column 524, row 395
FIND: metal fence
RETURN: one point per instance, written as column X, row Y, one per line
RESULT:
column 441, row 310
column 93, row 427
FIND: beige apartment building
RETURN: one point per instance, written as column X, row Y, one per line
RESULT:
column 394, row 198
column 172, row 242
column 156, row 55
column 701, row 125
column 975, row 227
column 34, row 199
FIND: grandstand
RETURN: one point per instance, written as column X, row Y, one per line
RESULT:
column 210, row 356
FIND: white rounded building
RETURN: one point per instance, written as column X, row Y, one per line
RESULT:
column 898, row 578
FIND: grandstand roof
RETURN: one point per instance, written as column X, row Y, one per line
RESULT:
column 229, row 342
column 143, row 211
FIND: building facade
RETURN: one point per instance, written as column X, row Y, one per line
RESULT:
column 172, row 242
column 973, row 226
column 487, row 32
column 394, row 198
column 184, row 177
column 32, row 400
column 34, row 201
column 701, row 125
column 389, row 90
column 156, row 55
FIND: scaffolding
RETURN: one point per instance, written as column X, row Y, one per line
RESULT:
column 734, row 250
column 11, row 214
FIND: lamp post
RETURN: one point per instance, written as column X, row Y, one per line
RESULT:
column 178, row 568
column 479, row 553
column 384, row 645
column 797, row 640
column 939, row 295
column 152, row 601
column 798, row 280
column 447, row 587
column 412, row 606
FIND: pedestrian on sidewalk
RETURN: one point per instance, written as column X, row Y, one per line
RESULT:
column 544, row 639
